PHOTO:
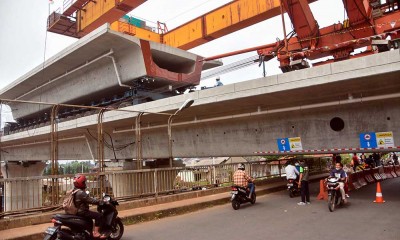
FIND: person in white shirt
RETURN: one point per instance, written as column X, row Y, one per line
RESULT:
column 291, row 171
column 218, row 82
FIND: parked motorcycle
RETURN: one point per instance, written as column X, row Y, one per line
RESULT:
column 293, row 188
column 334, row 194
column 239, row 196
column 74, row 227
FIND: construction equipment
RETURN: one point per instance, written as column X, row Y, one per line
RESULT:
column 369, row 24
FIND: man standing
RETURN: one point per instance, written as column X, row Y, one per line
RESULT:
column 305, row 191
column 240, row 178
column 395, row 159
column 355, row 162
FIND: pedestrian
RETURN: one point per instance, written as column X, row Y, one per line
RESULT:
column 338, row 159
column 354, row 162
column 218, row 82
column 362, row 158
column 370, row 162
column 395, row 159
column 377, row 159
column 303, row 180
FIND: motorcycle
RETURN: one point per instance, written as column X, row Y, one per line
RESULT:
column 68, row 226
column 239, row 196
column 334, row 194
column 293, row 188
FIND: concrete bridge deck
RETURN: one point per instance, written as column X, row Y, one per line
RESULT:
column 103, row 64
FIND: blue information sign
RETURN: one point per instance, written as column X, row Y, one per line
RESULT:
column 283, row 144
column 368, row 140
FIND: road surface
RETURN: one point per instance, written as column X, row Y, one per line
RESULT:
column 276, row 216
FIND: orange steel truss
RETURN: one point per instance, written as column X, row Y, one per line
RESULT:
column 367, row 20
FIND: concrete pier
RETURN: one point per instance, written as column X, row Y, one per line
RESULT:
column 22, row 193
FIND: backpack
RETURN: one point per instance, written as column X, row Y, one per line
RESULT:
column 68, row 203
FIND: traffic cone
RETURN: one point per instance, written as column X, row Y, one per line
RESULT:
column 323, row 192
column 379, row 197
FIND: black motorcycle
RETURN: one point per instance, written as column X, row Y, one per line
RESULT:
column 239, row 196
column 334, row 194
column 74, row 227
column 293, row 188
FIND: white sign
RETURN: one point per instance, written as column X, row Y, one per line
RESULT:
column 384, row 139
column 295, row 144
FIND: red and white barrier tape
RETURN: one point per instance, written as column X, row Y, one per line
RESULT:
column 327, row 150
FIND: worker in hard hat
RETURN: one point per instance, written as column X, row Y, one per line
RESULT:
column 218, row 82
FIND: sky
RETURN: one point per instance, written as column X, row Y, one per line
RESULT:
column 24, row 42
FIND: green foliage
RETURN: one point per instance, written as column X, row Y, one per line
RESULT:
column 70, row 168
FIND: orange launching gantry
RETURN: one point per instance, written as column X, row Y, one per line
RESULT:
column 369, row 24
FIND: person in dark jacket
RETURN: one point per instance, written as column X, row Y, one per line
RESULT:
column 82, row 201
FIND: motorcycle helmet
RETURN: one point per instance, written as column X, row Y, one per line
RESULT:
column 80, row 181
column 241, row 166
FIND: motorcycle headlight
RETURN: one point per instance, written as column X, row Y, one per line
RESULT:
column 106, row 198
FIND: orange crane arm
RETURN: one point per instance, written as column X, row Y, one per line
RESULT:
column 96, row 13
column 221, row 21
column 304, row 23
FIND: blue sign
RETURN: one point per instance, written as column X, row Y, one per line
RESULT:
column 283, row 144
column 368, row 140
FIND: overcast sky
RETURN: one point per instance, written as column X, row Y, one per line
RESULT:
column 23, row 35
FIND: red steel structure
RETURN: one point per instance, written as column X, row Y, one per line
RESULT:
column 370, row 24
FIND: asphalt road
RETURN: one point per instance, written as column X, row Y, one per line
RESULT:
column 276, row 216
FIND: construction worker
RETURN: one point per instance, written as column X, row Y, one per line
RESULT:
column 218, row 82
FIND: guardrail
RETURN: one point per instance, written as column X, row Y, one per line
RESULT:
column 371, row 175
column 47, row 192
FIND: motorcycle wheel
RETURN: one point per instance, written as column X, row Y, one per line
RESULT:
column 291, row 193
column 253, row 198
column 117, row 230
column 235, row 204
column 338, row 200
column 331, row 203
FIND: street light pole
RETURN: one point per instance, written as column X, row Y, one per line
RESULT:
column 185, row 105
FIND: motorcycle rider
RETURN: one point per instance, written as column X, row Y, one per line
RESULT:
column 240, row 178
column 338, row 172
column 291, row 171
column 82, row 201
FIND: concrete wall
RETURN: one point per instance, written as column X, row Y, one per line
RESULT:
column 241, row 136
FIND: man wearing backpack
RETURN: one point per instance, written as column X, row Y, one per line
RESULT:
column 82, row 201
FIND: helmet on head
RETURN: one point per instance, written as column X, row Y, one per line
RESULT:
column 218, row 78
column 241, row 166
column 80, row 181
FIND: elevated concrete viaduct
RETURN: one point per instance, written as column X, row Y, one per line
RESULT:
column 327, row 106
column 243, row 118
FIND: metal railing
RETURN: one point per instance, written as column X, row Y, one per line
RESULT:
column 43, row 192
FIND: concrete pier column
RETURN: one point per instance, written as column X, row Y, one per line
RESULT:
column 122, row 184
column 22, row 193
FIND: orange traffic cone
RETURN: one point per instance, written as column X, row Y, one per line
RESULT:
column 379, row 197
column 323, row 192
